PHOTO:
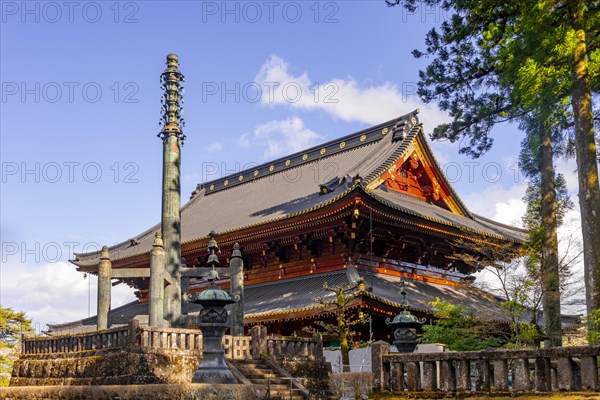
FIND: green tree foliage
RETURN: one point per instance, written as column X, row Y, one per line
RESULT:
column 593, row 335
column 493, row 62
column 12, row 325
column 457, row 329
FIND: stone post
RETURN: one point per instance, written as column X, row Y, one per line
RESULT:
column 259, row 341
column 236, row 272
column 104, row 272
column 589, row 373
column 397, row 377
column 447, row 376
column 482, row 375
column 521, row 379
column 463, row 375
column 542, row 378
column 429, row 382
column 413, row 376
column 157, row 262
column 133, row 333
column 172, row 136
column 500, row 374
column 565, row 372
column 378, row 350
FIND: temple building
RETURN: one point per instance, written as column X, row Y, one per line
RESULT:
column 374, row 203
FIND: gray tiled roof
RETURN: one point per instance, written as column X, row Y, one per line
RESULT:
column 421, row 208
column 288, row 295
column 282, row 297
column 290, row 185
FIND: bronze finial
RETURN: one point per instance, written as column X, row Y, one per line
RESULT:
column 172, row 84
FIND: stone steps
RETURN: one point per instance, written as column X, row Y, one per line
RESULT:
column 260, row 373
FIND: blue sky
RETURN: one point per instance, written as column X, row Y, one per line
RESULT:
column 80, row 110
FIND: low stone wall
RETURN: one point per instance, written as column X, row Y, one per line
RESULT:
column 117, row 366
column 134, row 392
column 539, row 370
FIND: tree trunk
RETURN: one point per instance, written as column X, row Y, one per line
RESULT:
column 585, row 147
column 550, row 264
column 345, row 351
column 343, row 330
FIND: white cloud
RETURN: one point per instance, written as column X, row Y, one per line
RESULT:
column 504, row 205
column 54, row 292
column 344, row 99
column 214, row 147
column 569, row 170
column 280, row 137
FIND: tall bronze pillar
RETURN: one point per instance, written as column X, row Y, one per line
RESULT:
column 172, row 137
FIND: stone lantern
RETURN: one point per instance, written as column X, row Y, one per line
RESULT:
column 213, row 324
column 406, row 325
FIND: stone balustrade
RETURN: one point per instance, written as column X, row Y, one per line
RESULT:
column 129, row 354
column 132, row 336
column 105, row 339
column 540, row 370
column 284, row 347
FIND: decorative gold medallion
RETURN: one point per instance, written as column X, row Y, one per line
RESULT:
column 241, row 178
column 212, row 187
column 363, row 138
column 323, row 151
column 305, row 157
column 271, row 168
column 342, row 145
column 256, row 173
column 226, row 183
column 287, row 163
column 385, row 131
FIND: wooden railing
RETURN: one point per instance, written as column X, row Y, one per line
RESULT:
column 133, row 336
column 541, row 370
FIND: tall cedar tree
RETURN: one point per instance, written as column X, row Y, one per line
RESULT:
column 537, row 161
column 498, row 61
